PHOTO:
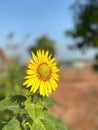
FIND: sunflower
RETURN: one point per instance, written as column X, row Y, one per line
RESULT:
column 41, row 74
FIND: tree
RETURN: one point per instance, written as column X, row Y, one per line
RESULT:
column 85, row 32
column 44, row 43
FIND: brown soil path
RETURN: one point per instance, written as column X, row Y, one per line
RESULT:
column 76, row 99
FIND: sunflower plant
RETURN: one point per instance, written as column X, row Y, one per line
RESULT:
column 30, row 111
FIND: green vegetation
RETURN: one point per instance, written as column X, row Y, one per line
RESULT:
column 85, row 32
column 21, row 110
column 28, row 113
column 44, row 43
column 11, row 81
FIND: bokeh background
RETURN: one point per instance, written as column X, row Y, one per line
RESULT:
column 69, row 30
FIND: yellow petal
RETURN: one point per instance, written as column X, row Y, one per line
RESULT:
column 39, row 54
column 49, row 87
column 33, row 85
column 36, row 86
column 32, row 62
column 52, row 60
column 55, row 76
column 42, row 53
column 42, row 91
column 30, row 72
column 46, row 89
column 46, row 54
column 30, row 83
column 50, row 57
column 53, row 64
column 32, row 67
column 53, row 84
column 34, row 57
column 54, row 69
column 27, row 81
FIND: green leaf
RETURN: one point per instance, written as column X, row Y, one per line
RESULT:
column 43, row 124
column 46, row 101
column 33, row 110
column 42, row 120
column 58, row 123
column 12, row 103
column 12, row 125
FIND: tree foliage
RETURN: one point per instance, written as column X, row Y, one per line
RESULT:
column 85, row 31
column 44, row 43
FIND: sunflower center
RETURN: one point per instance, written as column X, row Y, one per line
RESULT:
column 44, row 71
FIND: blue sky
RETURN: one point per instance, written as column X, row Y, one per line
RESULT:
column 39, row 17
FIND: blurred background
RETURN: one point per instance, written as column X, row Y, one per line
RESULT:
column 69, row 30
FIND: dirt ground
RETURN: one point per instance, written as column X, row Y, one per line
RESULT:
column 76, row 99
